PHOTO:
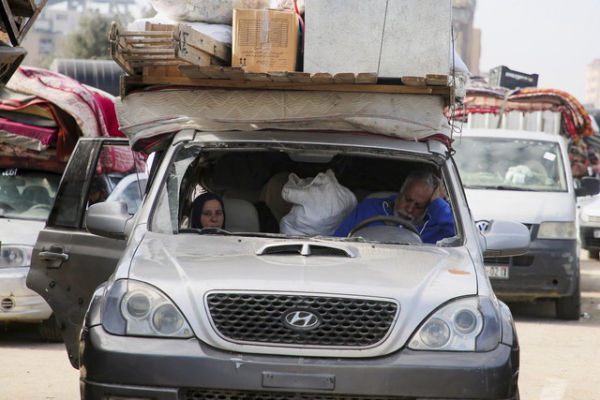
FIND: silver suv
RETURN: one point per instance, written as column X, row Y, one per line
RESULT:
column 245, row 312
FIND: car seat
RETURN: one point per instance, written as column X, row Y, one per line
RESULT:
column 36, row 195
column 240, row 215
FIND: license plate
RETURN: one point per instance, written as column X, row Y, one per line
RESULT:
column 596, row 233
column 497, row 272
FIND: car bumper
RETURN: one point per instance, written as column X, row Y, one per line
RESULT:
column 549, row 269
column 177, row 369
column 18, row 303
column 589, row 240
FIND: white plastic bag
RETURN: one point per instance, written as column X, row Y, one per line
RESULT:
column 320, row 204
column 212, row 11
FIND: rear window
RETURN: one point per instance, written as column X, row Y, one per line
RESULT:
column 510, row 164
column 27, row 194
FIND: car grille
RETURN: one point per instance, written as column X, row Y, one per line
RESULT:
column 204, row 394
column 7, row 304
column 261, row 318
column 517, row 261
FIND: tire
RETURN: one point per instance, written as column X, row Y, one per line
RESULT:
column 50, row 331
column 569, row 307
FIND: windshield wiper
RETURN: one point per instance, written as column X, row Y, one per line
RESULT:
column 521, row 189
column 206, row 231
column 224, row 232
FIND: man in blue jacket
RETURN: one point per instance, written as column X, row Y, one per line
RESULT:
column 419, row 201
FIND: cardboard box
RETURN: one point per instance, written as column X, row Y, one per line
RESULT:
column 392, row 38
column 264, row 40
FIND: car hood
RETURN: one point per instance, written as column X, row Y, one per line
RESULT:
column 188, row 266
column 19, row 231
column 520, row 206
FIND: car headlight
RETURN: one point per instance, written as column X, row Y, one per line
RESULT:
column 15, row 255
column 138, row 309
column 557, row 230
column 467, row 324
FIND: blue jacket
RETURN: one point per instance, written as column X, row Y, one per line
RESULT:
column 439, row 221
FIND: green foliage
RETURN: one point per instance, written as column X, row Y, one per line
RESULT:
column 90, row 41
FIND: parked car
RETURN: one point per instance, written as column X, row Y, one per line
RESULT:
column 525, row 176
column 588, row 211
column 26, row 197
column 151, row 308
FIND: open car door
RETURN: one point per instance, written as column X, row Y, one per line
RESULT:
column 69, row 263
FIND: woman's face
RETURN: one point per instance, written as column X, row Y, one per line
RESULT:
column 212, row 214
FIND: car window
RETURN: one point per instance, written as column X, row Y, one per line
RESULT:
column 119, row 176
column 518, row 164
column 27, row 194
column 250, row 183
column 94, row 172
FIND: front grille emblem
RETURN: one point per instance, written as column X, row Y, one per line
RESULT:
column 300, row 319
column 482, row 225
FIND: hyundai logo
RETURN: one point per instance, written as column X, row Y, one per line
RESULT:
column 300, row 319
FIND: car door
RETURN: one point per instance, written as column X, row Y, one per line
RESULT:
column 69, row 263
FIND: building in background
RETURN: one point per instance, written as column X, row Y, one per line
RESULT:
column 467, row 39
column 60, row 18
column 592, row 84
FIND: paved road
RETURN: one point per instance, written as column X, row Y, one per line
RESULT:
column 560, row 360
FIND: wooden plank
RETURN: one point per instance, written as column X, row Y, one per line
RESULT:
column 299, row 77
column 159, row 27
column 234, row 73
column 257, row 77
column 193, row 72
column 278, row 76
column 367, row 88
column 321, row 78
column 414, row 81
column 115, row 53
column 436, row 79
column 215, row 72
column 196, row 57
column 149, row 51
column 366, row 77
column 344, row 77
column 186, row 36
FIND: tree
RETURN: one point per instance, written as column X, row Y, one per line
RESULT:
column 91, row 39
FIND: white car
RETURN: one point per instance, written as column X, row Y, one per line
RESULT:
column 26, row 198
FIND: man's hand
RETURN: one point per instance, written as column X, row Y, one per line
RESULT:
column 440, row 191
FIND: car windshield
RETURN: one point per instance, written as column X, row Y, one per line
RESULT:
column 287, row 191
column 27, row 194
column 510, row 164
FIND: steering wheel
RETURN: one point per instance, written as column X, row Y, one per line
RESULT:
column 6, row 206
column 386, row 219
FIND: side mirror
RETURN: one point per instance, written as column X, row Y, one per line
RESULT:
column 109, row 219
column 589, row 186
column 504, row 238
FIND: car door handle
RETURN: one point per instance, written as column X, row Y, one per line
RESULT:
column 53, row 256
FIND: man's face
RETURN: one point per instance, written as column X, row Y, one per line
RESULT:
column 414, row 200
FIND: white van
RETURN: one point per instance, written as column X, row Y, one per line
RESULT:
column 526, row 177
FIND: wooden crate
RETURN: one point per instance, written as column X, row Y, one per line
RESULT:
column 180, row 55
column 200, row 49
column 149, row 52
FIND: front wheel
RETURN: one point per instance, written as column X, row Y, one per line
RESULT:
column 569, row 307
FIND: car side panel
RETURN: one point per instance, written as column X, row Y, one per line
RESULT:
column 68, row 263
